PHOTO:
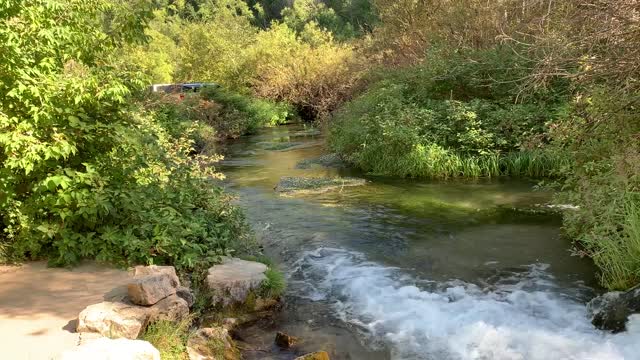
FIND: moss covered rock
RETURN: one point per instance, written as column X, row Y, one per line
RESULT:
column 294, row 185
column 212, row 344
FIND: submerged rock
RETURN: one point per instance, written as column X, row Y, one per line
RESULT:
column 285, row 341
column 611, row 311
column 307, row 132
column 110, row 349
column 290, row 185
column 280, row 146
column 212, row 344
column 320, row 355
column 114, row 319
column 326, row 160
column 233, row 280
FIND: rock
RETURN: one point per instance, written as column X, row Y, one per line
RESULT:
column 149, row 289
column 233, row 280
column 110, row 349
column 326, row 160
column 172, row 308
column 262, row 304
column 187, row 295
column 320, row 355
column 212, row 344
column 114, row 319
column 611, row 311
column 229, row 323
column 141, row 271
column 301, row 185
column 285, row 341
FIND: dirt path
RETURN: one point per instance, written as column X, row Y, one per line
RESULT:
column 39, row 306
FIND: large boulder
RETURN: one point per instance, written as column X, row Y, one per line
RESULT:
column 141, row 271
column 172, row 308
column 611, row 311
column 234, row 279
column 320, row 355
column 110, row 349
column 212, row 344
column 114, row 319
column 148, row 290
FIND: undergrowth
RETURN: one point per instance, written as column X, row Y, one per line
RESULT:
column 169, row 338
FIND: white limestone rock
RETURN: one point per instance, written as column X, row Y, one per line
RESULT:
column 114, row 319
column 113, row 349
column 231, row 281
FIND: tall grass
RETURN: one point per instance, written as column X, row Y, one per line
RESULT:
column 169, row 338
column 618, row 255
column 433, row 161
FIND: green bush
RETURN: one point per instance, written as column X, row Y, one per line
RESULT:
column 85, row 174
column 391, row 130
column 243, row 113
column 604, row 184
column 217, row 114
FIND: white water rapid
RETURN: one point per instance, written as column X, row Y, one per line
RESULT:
column 522, row 316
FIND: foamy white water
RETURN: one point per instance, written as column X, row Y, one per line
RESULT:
column 522, row 317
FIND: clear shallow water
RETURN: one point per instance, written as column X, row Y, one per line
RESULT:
column 400, row 269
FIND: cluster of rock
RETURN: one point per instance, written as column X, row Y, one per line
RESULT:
column 154, row 293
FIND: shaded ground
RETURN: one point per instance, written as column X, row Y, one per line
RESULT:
column 39, row 306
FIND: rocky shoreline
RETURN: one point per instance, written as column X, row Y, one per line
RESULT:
column 112, row 329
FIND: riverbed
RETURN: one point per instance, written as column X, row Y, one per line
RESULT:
column 410, row 269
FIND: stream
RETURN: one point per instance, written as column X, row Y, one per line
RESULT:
column 407, row 269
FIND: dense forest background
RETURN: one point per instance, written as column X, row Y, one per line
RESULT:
column 414, row 88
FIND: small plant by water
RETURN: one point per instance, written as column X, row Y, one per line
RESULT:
column 169, row 338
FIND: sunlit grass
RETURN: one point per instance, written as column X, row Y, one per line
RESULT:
column 169, row 338
column 435, row 162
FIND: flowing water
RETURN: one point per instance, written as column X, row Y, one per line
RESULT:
column 400, row 269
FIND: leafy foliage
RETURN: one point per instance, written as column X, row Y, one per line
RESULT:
column 411, row 123
column 604, row 184
column 296, row 61
column 216, row 113
column 84, row 174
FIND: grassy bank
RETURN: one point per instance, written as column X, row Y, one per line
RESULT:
column 455, row 115
column 435, row 122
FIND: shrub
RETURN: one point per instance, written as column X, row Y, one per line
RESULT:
column 217, row 113
column 308, row 70
column 393, row 129
column 601, row 135
column 244, row 112
column 84, row 173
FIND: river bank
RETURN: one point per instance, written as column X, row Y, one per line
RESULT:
column 405, row 269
